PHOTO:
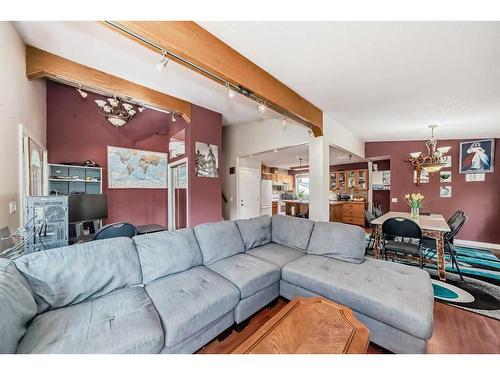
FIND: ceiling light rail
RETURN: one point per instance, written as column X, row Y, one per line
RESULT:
column 231, row 88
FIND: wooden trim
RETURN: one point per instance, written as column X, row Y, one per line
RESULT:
column 191, row 42
column 42, row 64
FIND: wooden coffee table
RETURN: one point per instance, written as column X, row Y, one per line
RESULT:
column 309, row 325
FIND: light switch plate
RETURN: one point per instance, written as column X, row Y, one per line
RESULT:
column 12, row 207
column 394, row 200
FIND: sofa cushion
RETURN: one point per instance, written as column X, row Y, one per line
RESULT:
column 256, row 231
column 276, row 254
column 218, row 240
column 72, row 274
column 17, row 306
column 165, row 253
column 248, row 273
column 190, row 301
column 340, row 241
column 291, row 231
column 124, row 321
column 392, row 293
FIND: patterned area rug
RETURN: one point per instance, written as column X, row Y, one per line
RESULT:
column 479, row 292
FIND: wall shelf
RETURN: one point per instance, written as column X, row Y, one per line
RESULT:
column 72, row 179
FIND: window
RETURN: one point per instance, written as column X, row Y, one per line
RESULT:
column 302, row 184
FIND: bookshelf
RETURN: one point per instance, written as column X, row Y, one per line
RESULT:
column 74, row 179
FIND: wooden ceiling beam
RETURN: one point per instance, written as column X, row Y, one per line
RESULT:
column 43, row 64
column 192, row 45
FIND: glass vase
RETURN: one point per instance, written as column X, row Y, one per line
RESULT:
column 415, row 212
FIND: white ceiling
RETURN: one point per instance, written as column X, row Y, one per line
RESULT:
column 384, row 80
column 97, row 46
column 286, row 158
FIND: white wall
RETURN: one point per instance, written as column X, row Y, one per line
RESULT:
column 21, row 102
column 254, row 137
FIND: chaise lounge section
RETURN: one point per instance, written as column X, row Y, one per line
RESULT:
column 173, row 292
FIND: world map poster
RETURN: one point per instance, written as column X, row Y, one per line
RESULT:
column 136, row 169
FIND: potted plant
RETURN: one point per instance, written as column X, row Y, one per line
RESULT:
column 414, row 200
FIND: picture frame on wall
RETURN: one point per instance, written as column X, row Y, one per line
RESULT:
column 477, row 156
column 445, row 191
column 206, row 160
column 445, row 176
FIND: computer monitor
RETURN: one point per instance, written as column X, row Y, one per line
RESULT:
column 87, row 207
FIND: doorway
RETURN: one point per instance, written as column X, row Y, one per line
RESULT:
column 178, row 195
column 248, row 193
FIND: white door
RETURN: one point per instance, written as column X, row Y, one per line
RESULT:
column 248, row 193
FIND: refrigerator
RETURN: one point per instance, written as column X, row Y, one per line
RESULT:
column 266, row 197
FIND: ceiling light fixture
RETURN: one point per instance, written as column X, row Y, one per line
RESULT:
column 433, row 161
column 141, row 108
column 162, row 64
column 275, row 150
column 115, row 110
column 81, row 92
column 173, row 117
column 230, row 92
column 261, row 107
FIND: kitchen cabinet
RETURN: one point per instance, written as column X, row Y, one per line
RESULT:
column 354, row 179
column 336, row 212
column 353, row 213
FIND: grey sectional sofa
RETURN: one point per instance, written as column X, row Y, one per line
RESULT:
column 173, row 292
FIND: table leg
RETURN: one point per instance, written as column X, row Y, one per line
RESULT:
column 378, row 232
column 440, row 256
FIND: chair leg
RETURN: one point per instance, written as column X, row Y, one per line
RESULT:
column 454, row 260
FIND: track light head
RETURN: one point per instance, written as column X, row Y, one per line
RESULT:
column 162, row 64
column 230, row 92
column 173, row 117
column 81, row 92
column 261, row 107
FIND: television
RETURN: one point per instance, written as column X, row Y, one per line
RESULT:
column 87, row 207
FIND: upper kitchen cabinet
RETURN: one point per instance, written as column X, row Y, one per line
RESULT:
column 353, row 179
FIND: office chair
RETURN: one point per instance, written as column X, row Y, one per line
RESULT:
column 116, row 230
column 409, row 232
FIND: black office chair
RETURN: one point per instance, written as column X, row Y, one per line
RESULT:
column 456, row 222
column 408, row 232
column 116, row 230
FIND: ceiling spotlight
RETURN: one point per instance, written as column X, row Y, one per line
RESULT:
column 311, row 133
column 162, row 64
column 81, row 92
column 141, row 108
column 230, row 92
column 173, row 117
column 275, row 150
column 261, row 107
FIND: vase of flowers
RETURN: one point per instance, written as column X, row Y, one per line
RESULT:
column 414, row 200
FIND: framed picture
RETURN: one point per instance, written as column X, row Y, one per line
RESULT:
column 445, row 191
column 206, row 160
column 445, row 176
column 477, row 156
column 424, row 177
column 129, row 168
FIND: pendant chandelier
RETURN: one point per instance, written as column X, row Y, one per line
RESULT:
column 116, row 111
column 433, row 161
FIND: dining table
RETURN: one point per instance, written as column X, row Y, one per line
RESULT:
column 433, row 226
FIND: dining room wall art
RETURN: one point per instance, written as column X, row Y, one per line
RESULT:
column 477, row 156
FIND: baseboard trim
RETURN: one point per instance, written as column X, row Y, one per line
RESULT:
column 483, row 245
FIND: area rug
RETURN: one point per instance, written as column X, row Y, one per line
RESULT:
column 479, row 292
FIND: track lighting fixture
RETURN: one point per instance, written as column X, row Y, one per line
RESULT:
column 261, row 107
column 81, row 92
column 141, row 108
column 230, row 92
column 162, row 64
column 173, row 117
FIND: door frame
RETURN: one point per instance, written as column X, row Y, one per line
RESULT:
column 238, row 176
column 170, row 194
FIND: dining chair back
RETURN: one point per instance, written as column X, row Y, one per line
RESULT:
column 402, row 236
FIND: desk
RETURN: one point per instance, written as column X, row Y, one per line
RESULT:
column 433, row 226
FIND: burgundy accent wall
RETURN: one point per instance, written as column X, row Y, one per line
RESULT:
column 479, row 200
column 76, row 132
column 205, row 193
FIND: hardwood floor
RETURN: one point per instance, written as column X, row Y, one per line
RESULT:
column 455, row 331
